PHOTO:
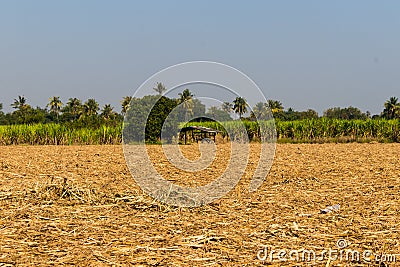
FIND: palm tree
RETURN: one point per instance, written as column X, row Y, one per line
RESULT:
column 55, row 105
column 91, row 107
column 186, row 99
column 125, row 103
column 275, row 106
column 227, row 107
column 185, row 95
column 160, row 88
column 74, row 106
column 107, row 111
column 22, row 108
column 392, row 108
column 260, row 111
column 240, row 106
column 20, row 103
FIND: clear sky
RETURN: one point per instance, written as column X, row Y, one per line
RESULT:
column 307, row 54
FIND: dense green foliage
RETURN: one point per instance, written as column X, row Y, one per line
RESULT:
column 392, row 109
column 145, row 118
column 349, row 113
column 73, row 114
column 77, row 122
column 218, row 114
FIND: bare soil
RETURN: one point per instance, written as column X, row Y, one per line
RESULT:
column 79, row 205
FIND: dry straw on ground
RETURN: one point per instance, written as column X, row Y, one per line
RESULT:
column 78, row 205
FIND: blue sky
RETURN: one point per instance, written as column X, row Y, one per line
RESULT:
column 307, row 54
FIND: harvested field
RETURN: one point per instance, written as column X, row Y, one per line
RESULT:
column 79, row 205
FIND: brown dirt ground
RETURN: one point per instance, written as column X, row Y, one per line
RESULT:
column 79, row 205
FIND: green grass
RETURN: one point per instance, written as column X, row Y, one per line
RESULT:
column 56, row 134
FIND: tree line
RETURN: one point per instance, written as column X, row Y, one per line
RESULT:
column 391, row 111
column 74, row 112
column 77, row 113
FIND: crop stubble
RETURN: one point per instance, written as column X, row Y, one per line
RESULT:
column 80, row 205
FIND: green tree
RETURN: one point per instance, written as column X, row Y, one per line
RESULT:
column 212, row 111
column 20, row 103
column 28, row 115
column 149, row 114
column 227, row 107
column 160, row 88
column 55, row 105
column 275, row 106
column 217, row 114
column 308, row 114
column 392, row 108
column 186, row 99
column 21, row 114
column 260, row 111
column 37, row 115
column 240, row 106
column 107, row 112
column 125, row 104
column 73, row 107
column 199, row 109
column 91, row 107
column 349, row 113
column 2, row 117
